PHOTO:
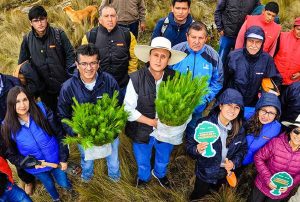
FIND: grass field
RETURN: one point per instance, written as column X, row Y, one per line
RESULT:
column 14, row 24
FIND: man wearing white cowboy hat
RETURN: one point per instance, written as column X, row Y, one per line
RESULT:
column 139, row 102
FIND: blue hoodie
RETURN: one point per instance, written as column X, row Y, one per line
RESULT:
column 244, row 72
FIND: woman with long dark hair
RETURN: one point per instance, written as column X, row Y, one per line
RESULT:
column 230, row 147
column 31, row 130
column 281, row 154
column 263, row 125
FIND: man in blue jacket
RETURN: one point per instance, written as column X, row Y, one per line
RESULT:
column 202, row 60
column 247, row 66
column 87, row 85
column 175, row 25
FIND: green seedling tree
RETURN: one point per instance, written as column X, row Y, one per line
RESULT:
column 178, row 97
column 96, row 124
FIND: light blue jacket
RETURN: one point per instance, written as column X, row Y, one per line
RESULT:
column 205, row 62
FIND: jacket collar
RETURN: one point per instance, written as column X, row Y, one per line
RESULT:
column 187, row 23
column 103, row 29
column 99, row 79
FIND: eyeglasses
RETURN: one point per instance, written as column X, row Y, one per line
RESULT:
column 296, row 131
column 91, row 64
column 264, row 112
column 42, row 19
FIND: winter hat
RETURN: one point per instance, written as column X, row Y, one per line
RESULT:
column 297, row 21
column 273, row 7
column 230, row 96
column 268, row 99
column 142, row 52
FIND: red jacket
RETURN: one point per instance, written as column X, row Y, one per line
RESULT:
column 4, row 168
column 276, row 156
column 287, row 59
column 272, row 31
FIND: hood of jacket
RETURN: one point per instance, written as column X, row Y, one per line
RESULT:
column 258, row 31
column 268, row 99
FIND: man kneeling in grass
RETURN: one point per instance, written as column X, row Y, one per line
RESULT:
column 139, row 102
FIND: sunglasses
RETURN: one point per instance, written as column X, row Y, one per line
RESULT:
column 296, row 131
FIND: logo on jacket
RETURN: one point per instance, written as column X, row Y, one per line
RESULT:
column 52, row 46
column 120, row 44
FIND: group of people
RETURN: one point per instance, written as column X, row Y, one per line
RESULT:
column 246, row 115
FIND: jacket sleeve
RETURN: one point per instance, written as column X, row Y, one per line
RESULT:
column 133, row 62
column 228, row 72
column 12, row 154
column 142, row 10
column 273, row 73
column 157, row 28
column 261, row 157
column 59, row 133
column 217, row 80
column 68, row 50
column 218, row 14
column 64, row 108
column 239, row 155
column 24, row 51
column 239, row 43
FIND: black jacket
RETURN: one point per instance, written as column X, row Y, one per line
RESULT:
column 49, row 55
column 144, row 85
column 114, row 52
column 8, row 83
column 230, row 15
column 208, row 169
column 290, row 102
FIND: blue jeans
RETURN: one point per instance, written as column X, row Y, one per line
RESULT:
column 133, row 27
column 226, row 44
column 14, row 194
column 47, row 179
column 112, row 161
column 142, row 153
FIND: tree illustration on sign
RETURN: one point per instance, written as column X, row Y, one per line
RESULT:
column 207, row 132
column 281, row 180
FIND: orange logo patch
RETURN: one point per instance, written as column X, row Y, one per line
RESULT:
column 120, row 44
column 52, row 46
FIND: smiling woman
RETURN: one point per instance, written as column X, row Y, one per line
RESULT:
column 280, row 154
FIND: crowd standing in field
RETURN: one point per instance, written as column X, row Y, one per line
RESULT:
column 253, row 86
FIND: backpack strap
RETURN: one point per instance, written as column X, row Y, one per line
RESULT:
column 92, row 35
column 164, row 26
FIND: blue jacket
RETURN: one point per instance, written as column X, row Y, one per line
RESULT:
column 208, row 169
column 254, row 143
column 35, row 141
column 205, row 62
column 8, row 82
column 290, row 102
column 174, row 32
column 74, row 87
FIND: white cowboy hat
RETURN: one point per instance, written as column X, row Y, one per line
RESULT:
column 142, row 52
column 296, row 123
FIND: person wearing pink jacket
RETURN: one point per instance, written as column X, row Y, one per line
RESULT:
column 281, row 154
column 266, row 22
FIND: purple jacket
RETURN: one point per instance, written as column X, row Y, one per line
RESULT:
column 276, row 156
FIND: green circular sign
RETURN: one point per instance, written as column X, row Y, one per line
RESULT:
column 281, row 180
column 207, row 132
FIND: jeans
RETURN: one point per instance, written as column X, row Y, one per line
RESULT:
column 112, row 161
column 47, row 179
column 226, row 44
column 142, row 153
column 14, row 194
column 133, row 27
